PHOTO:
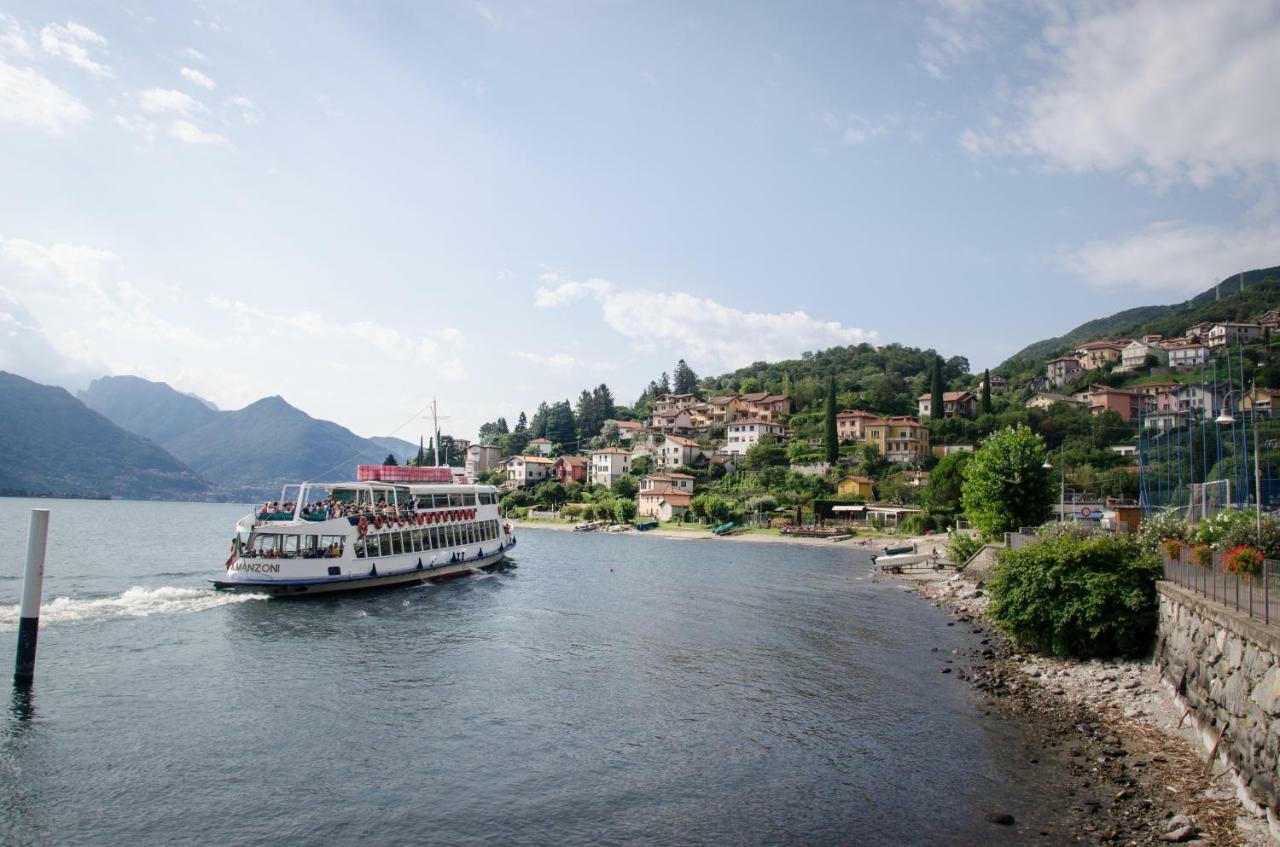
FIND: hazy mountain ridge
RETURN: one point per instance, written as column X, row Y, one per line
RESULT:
column 151, row 409
column 52, row 444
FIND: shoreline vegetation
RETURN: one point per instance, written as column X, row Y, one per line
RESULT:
column 1134, row 768
column 862, row 540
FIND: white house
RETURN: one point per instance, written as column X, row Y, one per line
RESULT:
column 1230, row 333
column 1063, row 370
column 608, row 464
column 954, row 403
column 741, row 436
column 1187, row 355
column 677, row 450
column 541, row 446
column 528, row 470
column 1134, row 355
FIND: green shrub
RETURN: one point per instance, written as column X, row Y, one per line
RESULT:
column 919, row 523
column 961, row 546
column 1158, row 527
column 1077, row 597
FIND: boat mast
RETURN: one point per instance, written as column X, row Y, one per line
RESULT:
column 435, row 425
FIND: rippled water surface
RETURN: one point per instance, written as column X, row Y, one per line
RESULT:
column 605, row 690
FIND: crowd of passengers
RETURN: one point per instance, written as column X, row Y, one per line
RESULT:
column 333, row 551
column 328, row 509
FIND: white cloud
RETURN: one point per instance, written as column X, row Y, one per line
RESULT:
column 195, row 77
column 562, row 362
column 248, row 111
column 193, row 53
column 951, row 36
column 189, row 133
column 29, row 98
column 1176, row 257
column 699, row 328
column 72, row 42
column 169, row 100
column 24, row 349
column 138, row 125
column 1163, row 90
column 13, row 39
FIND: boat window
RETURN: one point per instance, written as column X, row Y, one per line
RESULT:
column 396, row 549
column 474, row 531
column 331, row 546
column 435, row 538
column 451, row 536
column 359, row 548
column 386, row 544
column 406, row 542
column 417, row 540
column 440, row 500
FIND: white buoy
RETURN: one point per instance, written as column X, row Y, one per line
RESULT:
column 24, row 669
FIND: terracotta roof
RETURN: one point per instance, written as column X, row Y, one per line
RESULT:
column 854, row 413
column 1065, row 359
column 755, row 421
column 542, row 441
column 675, row 496
column 573, row 460
column 611, row 450
column 859, row 479
column 630, row 425
column 682, row 441
column 946, row 395
column 675, row 475
column 1098, row 345
column 537, row 460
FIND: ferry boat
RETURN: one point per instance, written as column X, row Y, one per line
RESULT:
column 392, row 526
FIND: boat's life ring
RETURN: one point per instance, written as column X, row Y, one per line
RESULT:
column 377, row 521
column 421, row 519
column 363, row 526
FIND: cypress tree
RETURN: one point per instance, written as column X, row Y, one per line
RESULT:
column 986, row 391
column 936, row 403
column 833, row 446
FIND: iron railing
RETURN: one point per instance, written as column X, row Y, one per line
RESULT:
column 1257, row 596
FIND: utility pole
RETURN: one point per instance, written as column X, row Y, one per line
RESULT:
column 435, row 425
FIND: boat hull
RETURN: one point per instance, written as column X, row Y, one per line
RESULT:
column 413, row 575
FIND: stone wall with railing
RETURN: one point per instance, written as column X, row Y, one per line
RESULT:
column 1220, row 654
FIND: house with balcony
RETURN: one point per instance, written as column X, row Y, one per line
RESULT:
column 1096, row 355
column 670, row 479
column 954, row 403
column 524, row 471
column 1229, row 334
column 741, row 436
column 569, row 469
column 1260, row 401
column 998, row 383
column 1136, row 355
column 1063, row 370
column 608, row 464
column 1186, row 355
column 627, row 430
column 680, row 421
column 851, row 424
column 1044, row 399
column 900, row 439
column 1123, row 401
column 668, row 404
column 761, row 405
column 541, row 446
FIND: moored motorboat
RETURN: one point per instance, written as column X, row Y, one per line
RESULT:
column 392, row 526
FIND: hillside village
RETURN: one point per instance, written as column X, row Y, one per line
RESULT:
column 707, row 450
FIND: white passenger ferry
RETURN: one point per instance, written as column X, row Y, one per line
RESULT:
column 392, row 526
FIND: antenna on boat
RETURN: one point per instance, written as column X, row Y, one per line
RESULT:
column 435, row 425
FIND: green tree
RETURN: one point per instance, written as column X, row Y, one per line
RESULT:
column 560, row 426
column 937, row 408
column 832, row 442
column 390, row 460
column 642, row 465
column 986, row 392
column 943, row 490
column 767, row 453
column 626, row 486
column 522, row 424
column 1005, row 484
column 685, row 380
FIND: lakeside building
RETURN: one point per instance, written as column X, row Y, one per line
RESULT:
column 481, row 458
column 678, row 421
column 1096, row 355
column 608, row 464
column 673, row 479
column 741, row 436
column 627, row 430
column 570, row 469
column 899, row 439
column 541, row 446
column 954, row 403
column 669, row 404
column 662, row 503
column 764, row 406
column 1186, row 355
column 1045, row 399
column 1122, row 401
column 851, row 424
column 677, row 450
column 523, row 471
column 1261, row 401
column 856, row 486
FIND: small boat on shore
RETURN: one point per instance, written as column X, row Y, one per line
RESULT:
column 392, row 526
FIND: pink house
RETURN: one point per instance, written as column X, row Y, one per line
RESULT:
column 1124, row 402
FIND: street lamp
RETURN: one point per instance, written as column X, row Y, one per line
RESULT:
column 1062, row 484
column 1225, row 418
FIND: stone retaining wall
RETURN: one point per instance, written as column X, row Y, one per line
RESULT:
column 1225, row 667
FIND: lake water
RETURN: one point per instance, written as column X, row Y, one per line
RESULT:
column 605, row 690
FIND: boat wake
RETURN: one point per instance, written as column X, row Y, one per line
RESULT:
column 137, row 602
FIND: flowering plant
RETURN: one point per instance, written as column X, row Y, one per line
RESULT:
column 1243, row 560
column 1170, row 547
column 1202, row 555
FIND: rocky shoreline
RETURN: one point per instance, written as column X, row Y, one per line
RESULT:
column 1131, row 768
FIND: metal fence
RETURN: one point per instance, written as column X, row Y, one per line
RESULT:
column 1257, row 595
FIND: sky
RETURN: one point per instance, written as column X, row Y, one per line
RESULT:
column 362, row 205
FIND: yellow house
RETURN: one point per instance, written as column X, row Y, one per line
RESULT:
column 902, row 439
column 855, row 486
